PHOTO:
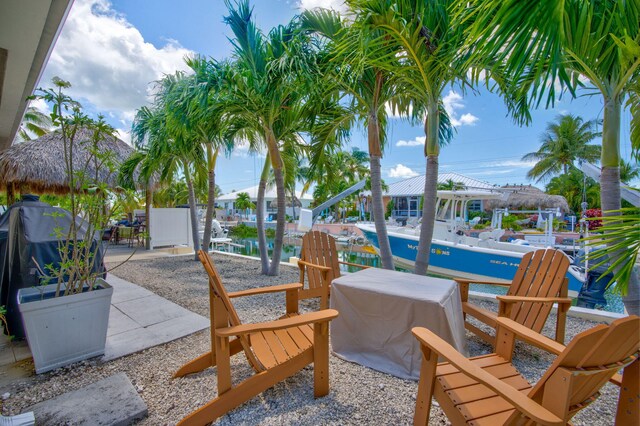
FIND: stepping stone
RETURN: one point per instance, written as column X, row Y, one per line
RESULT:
column 110, row 401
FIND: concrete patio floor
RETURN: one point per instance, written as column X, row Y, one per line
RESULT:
column 138, row 319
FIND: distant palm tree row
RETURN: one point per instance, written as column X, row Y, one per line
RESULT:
column 296, row 92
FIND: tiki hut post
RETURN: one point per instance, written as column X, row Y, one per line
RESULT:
column 147, row 213
column 11, row 195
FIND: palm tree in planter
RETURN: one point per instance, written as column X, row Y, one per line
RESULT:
column 243, row 202
column 66, row 319
column 565, row 141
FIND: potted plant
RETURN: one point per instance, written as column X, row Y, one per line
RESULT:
column 66, row 318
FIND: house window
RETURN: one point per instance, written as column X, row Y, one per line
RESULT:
column 474, row 206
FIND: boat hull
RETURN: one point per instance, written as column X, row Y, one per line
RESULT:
column 461, row 260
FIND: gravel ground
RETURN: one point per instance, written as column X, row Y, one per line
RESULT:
column 358, row 394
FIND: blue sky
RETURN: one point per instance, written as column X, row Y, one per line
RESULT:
column 112, row 51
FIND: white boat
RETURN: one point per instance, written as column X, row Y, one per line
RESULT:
column 456, row 254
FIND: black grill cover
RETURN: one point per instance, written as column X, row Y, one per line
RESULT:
column 27, row 233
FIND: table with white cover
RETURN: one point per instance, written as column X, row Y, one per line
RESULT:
column 379, row 307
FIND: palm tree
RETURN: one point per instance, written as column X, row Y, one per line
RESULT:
column 576, row 42
column 34, row 122
column 197, row 110
column 575, row 187
column 420, row 46
column 369, row 90
column 166, row 146
column 628, row 171
column 243, row 202
column 269, row 81
column 565, row 141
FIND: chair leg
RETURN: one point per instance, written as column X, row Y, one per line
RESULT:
column 245, row 391
column 425, row 386
column 320, row 359
column 629, row 400
column 206, row 360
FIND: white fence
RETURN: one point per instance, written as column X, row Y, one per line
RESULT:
column 170, row 227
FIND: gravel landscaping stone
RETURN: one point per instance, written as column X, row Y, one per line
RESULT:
column 358, row 396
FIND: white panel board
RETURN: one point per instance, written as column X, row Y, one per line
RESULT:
column 170, row 227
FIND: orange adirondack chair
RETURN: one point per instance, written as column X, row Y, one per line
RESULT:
column 319, row 258
column 488, row 390
column 276, row 349
column 539, row 282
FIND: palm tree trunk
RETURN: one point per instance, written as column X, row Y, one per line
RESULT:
column 262, row 238
column 610, row 157
column 378, row 213
column 280, row 222
column 276, row 163
column 192, row 212
column 211, row 195
column 432, row 149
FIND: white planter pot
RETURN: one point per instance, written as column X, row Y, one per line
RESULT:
column 63, row 330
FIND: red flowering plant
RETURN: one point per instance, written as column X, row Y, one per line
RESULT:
column 594, row 220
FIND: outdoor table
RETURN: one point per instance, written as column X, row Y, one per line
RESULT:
column 379, row 307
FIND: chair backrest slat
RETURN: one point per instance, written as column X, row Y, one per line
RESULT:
column 319, row 248
column 220, row 292
column 541, row 274
column 592, row 358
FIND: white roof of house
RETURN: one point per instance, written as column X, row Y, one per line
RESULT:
column 269, row 195
column 415, row 186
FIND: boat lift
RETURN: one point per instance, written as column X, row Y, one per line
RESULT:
column 308, row 217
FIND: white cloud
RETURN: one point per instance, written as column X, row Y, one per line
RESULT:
column 107, row 61
column 417, row 141
column 337, row 5
column 452, row 103
column 40, row 105
column 401, row 171
column 124, row 135
column 467, row 120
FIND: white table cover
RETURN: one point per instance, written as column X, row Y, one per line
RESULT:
column 379, row 307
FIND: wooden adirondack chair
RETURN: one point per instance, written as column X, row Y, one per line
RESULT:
column 319, row 258
column 488, row 390
column 276, row 349
column 541, row 277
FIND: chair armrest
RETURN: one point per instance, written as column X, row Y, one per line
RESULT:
column 514, row 299
column 519, row 400
column 264, row 290
column 616, row 380
column 357, row 265
column 527, row 335
column 469, row 281
column 295, row 321
column 313, row 265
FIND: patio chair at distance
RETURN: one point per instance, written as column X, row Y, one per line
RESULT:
column 319, row 261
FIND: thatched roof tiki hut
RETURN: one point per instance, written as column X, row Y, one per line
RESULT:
column 37, row 166
column 528, row 198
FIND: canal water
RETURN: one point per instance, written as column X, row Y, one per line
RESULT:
column 352, row 253
column 365, row 255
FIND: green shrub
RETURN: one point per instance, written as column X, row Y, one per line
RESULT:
column 243, row 231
